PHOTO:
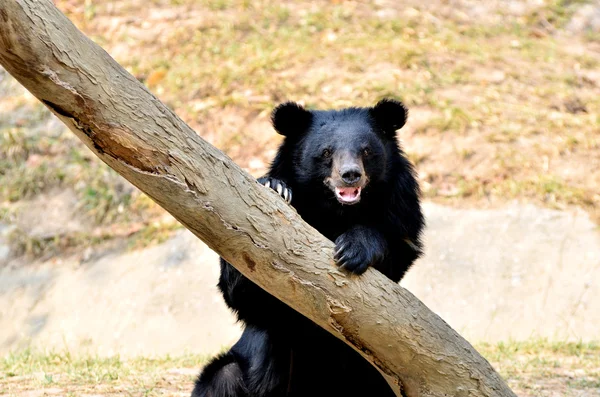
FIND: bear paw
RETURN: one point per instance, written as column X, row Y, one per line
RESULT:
column 278, row 186
column 357, row 249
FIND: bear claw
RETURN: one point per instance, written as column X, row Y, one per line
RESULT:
column 278, row 186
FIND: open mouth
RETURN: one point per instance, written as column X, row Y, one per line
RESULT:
column 348, row 195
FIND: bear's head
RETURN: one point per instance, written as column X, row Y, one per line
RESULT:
column 345, row 151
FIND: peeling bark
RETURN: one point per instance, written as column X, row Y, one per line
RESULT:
column 250, row 226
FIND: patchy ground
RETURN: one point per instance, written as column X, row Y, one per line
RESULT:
column 503, row 97
column 535, row 368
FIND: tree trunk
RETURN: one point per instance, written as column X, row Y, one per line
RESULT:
column 245, row 223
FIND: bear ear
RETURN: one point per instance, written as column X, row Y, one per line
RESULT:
column 291, row 119
column 390, row 115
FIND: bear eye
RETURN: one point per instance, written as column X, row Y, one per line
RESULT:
column 326, row 153
column 366, row 151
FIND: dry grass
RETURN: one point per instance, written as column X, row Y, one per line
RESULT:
column 532, row 368
column 60, row 374
column 504, row 104
column 510, row 107
column 542, row 368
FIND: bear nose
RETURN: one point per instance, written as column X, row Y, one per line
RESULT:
column 351, row 175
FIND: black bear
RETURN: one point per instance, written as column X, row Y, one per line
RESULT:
column 346, row 175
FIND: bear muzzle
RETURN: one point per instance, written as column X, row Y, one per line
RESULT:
column 348, row 177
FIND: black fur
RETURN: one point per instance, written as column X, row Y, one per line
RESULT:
column 281, row 353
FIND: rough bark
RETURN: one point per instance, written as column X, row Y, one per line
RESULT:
column 247, row 224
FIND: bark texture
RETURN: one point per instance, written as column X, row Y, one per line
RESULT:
column 247, row 224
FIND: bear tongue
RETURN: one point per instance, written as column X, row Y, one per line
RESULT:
column 348, row 194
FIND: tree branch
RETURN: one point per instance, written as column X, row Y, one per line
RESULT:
column 248, row 225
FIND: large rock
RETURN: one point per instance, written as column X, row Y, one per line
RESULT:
column 150, row 302
column 516, row 272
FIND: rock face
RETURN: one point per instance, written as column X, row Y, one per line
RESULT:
column 150, row 302
column 514, row 273
column 517, row 272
